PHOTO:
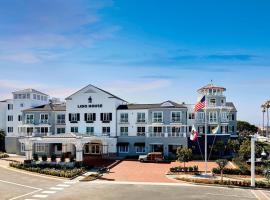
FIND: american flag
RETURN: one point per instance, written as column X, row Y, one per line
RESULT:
column 200, row 105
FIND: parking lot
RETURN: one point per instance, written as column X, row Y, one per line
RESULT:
column 128, row 170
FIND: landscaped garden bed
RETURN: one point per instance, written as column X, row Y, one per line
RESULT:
column 53, row 170
column 191, row 169
column 3, row 155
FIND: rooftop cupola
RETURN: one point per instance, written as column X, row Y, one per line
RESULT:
column 211, row 89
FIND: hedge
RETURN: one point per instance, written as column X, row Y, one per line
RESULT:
column 64, row 172
column 184, row 169
column 4, row 155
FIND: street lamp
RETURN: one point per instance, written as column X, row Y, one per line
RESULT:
column 252, row 160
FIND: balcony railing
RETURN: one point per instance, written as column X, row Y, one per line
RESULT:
column 44, row 121
column 35, row 134
column 29, row 121
column 166, row 134
column 61, row 121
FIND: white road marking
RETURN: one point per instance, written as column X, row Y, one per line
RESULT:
column 48, row 192
column 70, row 182
column 225, row 195
column 40, row 196
column 27, row 186
column 261, row 192
column 62, row 185
column 56, row 188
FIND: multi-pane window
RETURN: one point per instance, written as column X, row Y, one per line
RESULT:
column 106, row 130
column 140, row 131
column 140, row 148
column 10, row 118
column 44, row 118
column 157, row 129
column 191, row 115
column 176, row 116
column 40, row 147
column 90, row 130
column 10, row 129
column 106, row 117
column 34, row 96
column 231, row 129
column 10, row 106
column 212, row 116
column 123, row 131
column 175, row 132
column 61, row 119
column 224, row 129
column 231, row 117
column 124, row 118
column 74, row 129
column 224, row 116
column 140, row 117
column 44, row 130
column 212, row 102
column 19, row 118
column 29, row 119
column 89, row 117
column 123, row 148
column 200, row 116
column 60, row 130
column 74, row 117
column 157, row 117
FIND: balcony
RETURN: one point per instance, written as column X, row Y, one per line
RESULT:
column 166, row 134
column 30, row 121
column 44, row 121
column 35, row 134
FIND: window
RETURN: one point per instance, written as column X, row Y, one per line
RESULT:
column 58, row 147
column 140, row 117
column 29, row 119
column 141, row 131
column 74, row 129
column 44, row 130
column 10, row 118
column 212, row 117
column 22, row 147
column 19, row 118
column 231, row 129
column 61, row 119
column 123, row 148
column 140, row 148
column 189, row 128
column 40, row 147
column 123, row 131
column 74, row 117
column 176, row 117
column 222, row 101
column 191, row 115
column 157, row 117
column 157, row 129
column 231, row 117
column 89, row 117
column 10, row 129
column 28, row 96
column 224, row 116
column 34, row 96
column 106, row 117
column 60, row 130
column 224, row 129
column 45, row 98
column 175, row 131
column 90, row 130
column 38, row 97
column 200, row 116
column 15, row 96
column 124, row 118
column 212, row 102
column 44, row 118
column 10, row 106
column 201, row 129
column 41, row 97
column 106, row 130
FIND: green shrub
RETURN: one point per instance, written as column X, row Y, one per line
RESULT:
column 63, row 158
column 44, row 158
column 184, row 169
column 4, row 155
column 53, row 158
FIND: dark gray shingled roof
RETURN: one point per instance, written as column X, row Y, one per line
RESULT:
column 149, row 106
column 48, row 107
column 230, row 104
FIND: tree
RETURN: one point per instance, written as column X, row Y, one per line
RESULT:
column 184, row 154
column 219, row 147
column 221, row 165
column 245, row 150
column 246, row 129
column 233, row 146
column 2, row 140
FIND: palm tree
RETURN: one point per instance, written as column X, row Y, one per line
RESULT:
column 263, row 111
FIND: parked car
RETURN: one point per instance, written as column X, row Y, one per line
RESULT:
column 152, row 157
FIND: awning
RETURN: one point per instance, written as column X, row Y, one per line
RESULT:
column 139, row 144
column 122, row 143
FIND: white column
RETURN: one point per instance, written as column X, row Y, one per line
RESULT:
column 252, row 183
column 28, row 150
column 79, row 151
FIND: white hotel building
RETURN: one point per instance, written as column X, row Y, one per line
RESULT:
column 94, row 122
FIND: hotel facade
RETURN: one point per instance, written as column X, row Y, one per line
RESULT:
column 94, row 122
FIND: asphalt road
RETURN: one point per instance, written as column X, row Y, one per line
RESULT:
column 17, row 185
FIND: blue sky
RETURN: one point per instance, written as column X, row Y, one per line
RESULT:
column 143, row 51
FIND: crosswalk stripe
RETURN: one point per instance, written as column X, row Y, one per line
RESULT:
column 62, row 185
column 40, row 196
column 48, row 192
column 56, row 188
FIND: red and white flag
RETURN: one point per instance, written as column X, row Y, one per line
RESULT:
column 200, row 105
column 193, row 134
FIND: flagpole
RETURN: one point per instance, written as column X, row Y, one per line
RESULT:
column 205, row 141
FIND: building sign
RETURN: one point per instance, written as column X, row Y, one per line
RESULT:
column 90, row 105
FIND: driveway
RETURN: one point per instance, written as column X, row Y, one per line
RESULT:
column 147, row 172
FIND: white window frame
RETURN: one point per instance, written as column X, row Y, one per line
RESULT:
column 124, row 131
column 138, row 150
column 157, row 119
column 213, row 116
column 61, row 128
column 90, row 117
column 224, row 116
column 106, row 132
column 60, row 119
column 10, row 118
column 141, row 133
column 74, row 127
column 43, row 119
column 124, row 150
column 123, row 117
column 73, row 117
column 10, row 129
column 106, row 116
column 200, row 116
column 29, row 118
column 174, row 119
column 92, row 130
column 40, row 147
column 141, row 117
column 22, row 147
column 211, row 103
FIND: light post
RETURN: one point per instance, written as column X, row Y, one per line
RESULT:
column 252, row 161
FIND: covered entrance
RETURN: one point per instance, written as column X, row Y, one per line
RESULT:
column 156, row 148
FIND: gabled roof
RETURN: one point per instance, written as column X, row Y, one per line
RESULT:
column 166, row 104
column 29, row 90
column 47, row 108
column 230, row 104
column 112, row 95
